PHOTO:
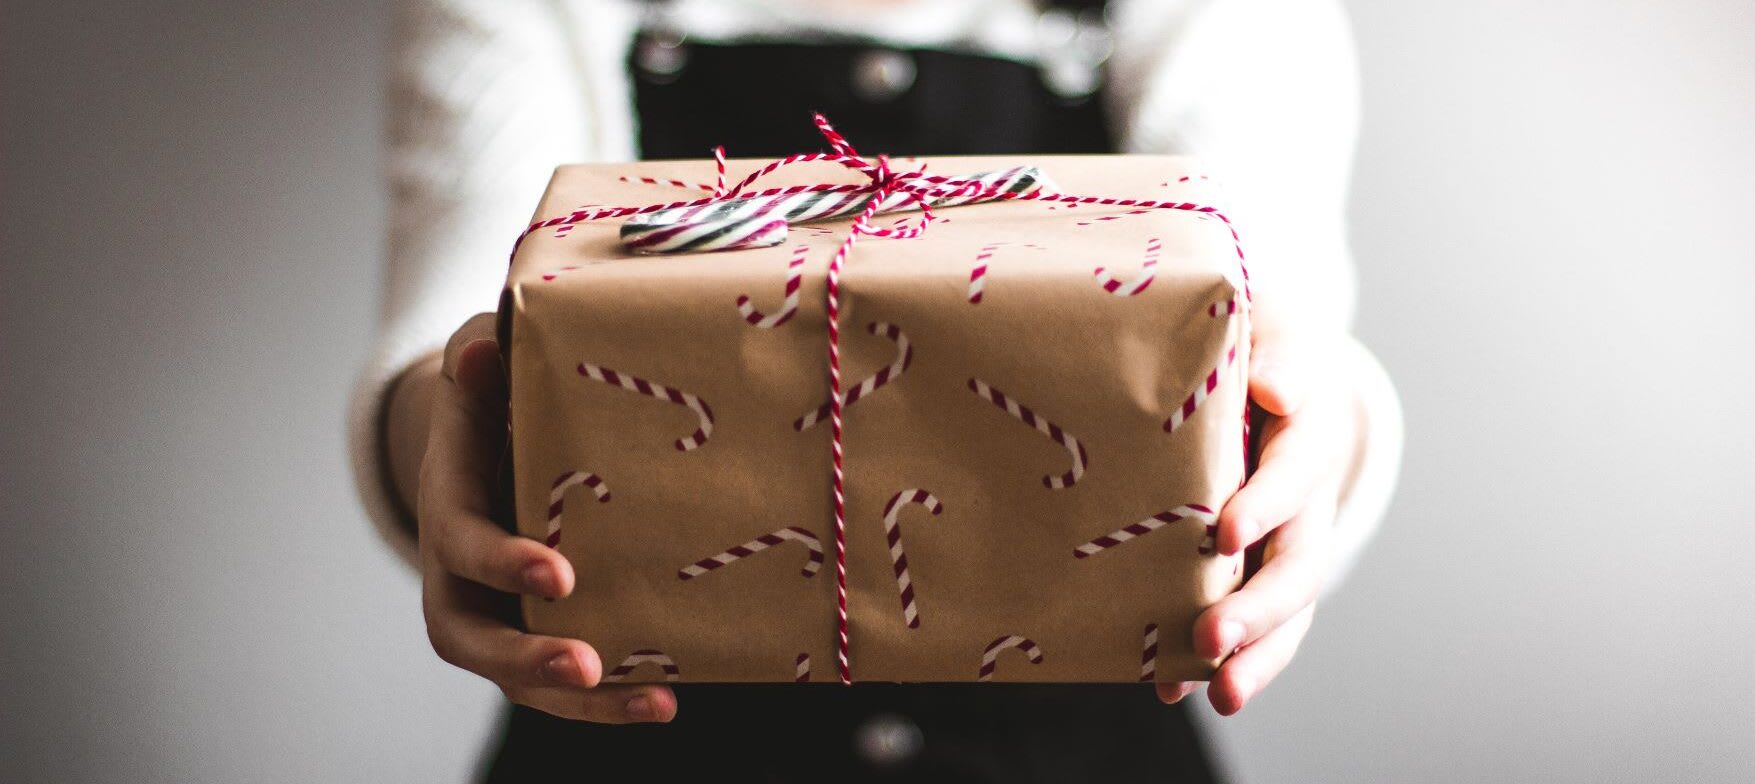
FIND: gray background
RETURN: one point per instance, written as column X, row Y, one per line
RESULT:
column 1553, row 221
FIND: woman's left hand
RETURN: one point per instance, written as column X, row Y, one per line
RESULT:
column 1307, row 448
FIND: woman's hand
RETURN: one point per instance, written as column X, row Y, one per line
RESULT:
column 1308, row 445
column 470, row 565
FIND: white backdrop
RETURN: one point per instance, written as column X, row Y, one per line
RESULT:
column 1552, row 218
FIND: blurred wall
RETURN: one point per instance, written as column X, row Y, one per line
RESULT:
column 1552, row 218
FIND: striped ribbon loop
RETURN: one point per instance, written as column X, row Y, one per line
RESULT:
column 735, row 217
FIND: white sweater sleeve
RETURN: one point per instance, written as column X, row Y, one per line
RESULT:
column 1266, row 93
column 486, row 97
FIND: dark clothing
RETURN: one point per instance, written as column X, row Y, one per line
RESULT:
column 957, row 104
column 950, row 104
column 973, row 733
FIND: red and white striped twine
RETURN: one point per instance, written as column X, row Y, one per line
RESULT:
column 1114, row 538
column 801, row 667
column 1023, row 413
column 793, row 533
column 557, row 499
column 988, row 657
column 636, row 384
column 898, row 558
column 644, row 656
column 917, row 187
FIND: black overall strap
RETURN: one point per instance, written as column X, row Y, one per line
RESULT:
column 756, row 99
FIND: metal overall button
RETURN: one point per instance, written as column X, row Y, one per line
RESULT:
column 887, row 740
column 881, row 75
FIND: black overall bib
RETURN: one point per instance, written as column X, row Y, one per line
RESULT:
column 952, row 104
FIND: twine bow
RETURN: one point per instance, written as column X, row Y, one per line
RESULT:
column 731, row 219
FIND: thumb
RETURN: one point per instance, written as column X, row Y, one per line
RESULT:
column 472, row 359
column 480, row 373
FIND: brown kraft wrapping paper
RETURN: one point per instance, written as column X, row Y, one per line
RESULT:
column 656, row 425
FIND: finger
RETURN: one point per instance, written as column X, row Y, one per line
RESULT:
column 464, row 631
column 1280, row 374
column 481, row 375
column 1172, row 692
column 1299, row 453
column 1251, row 669
column 457, row 530
column 465, row 438
column 473, row 547
column 1294, row 566
column 604, row 704
column 479, row 327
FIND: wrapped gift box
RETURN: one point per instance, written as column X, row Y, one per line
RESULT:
column 1046, row 401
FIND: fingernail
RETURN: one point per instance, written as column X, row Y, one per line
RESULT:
column 1178, row 692
column 1243, row 689
column 1230, row 636
column 538, row 578
column 640, row 709
column 478, row 341
column 563, row 668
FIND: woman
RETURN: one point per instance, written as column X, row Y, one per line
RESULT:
column 490, row 94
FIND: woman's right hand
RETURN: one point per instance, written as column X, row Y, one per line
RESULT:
column 470, row 565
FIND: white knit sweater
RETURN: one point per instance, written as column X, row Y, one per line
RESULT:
column 487, row 96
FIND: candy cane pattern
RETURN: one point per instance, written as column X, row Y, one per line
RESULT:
column 788, row 308
column 1146, row 526
column 802, row 667
column 1201, row 392
column 1149, row 654
column 1114, row 217
column 1025, row 644
column 669, row 182
column 898, row 558
column 644, row 656
column 557, row 498
column 649, row 389
column 757, row 545
column 904, row 356
column 1148, row 271
column 1028, row 417
column 978, row 273
column 1226, row 308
